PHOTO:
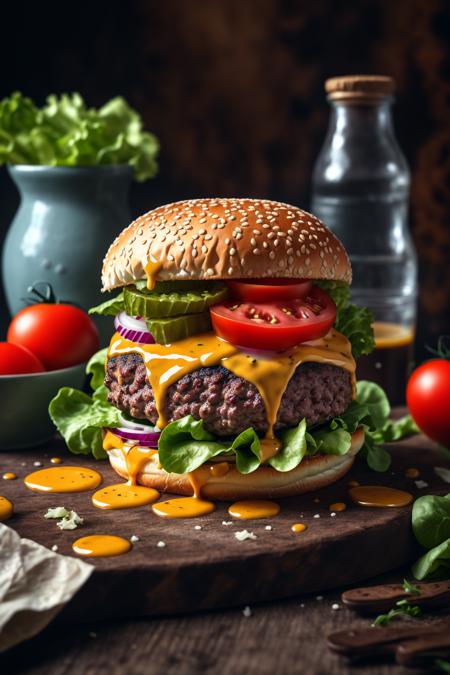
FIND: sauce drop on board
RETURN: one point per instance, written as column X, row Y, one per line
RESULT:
column 101, row 545
column 337, row 506
column 9, row 475
column 124, row 496
column 183, row 507
column 56, row 460
column 63, row 479
column 298, row 527
column 249, row 509
column 379, row 496
column 6, row 509
column 412, row 472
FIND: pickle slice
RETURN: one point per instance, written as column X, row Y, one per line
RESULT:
column 177, row 328
column 157, row 305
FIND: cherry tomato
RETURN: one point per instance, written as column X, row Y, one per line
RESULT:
column 428, row 398
column 60, row 335
column 15, row 360
column 266, row 290
column 275, row 326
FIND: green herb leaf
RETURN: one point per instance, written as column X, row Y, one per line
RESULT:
column 293, row 449
column 394, row 430
column 443, row 665
column 80, row 419
column 435, row 563
column 410, row 588
column 65, row 132
column 110, row 307
column 402, row 608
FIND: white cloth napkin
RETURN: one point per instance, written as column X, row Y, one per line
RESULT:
column 35, row 584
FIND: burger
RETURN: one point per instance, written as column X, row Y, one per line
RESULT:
column 231, row 373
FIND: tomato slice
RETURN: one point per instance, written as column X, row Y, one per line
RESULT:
column 275, row 326
column 266, row 290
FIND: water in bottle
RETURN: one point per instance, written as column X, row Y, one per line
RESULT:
column 360, row 190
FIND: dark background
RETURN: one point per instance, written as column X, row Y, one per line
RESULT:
column 234, row 91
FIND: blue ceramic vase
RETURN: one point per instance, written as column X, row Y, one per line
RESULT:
column 67, row 218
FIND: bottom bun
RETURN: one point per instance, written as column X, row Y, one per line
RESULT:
column 311, row 474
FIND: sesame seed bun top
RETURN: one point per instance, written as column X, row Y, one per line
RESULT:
column 225, row 239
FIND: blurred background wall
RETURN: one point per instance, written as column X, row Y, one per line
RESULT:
column 234, row 91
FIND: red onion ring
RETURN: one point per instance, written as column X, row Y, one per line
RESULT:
column 132, row 328
column 148, row 439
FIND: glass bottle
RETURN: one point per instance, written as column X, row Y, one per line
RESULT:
column 360, row 190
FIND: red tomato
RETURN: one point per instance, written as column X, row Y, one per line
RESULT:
column 428, row 398
column 60, row 335
column 266, row 290
column 15, row 360
column 275, row 326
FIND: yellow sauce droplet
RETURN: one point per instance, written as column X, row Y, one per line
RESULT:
column 353, row 483
column 254, row 508
column 6, row 509
column 124, row 496
column 63, row 479
column 9, row 475
column 101, row 545
column 151, row 269
column 220, row 469
column 337, row 506
column 269, row 446
column 298, row 527
column 379, row 496
column 183, row 507
column 56, row 460
column 412, row 473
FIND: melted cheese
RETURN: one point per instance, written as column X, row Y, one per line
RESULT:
column 166, row 364
column 135, row 456
column 151, row 270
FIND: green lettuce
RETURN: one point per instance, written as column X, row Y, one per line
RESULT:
column 65, row 132
column 80, row 420
column 352, row 321
column 110, row 307
column 431, row 527
column 185, row 445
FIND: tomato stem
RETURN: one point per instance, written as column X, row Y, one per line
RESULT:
column 443, row 348
column 40, row 292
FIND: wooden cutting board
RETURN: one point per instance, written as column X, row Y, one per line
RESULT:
column 210, row 568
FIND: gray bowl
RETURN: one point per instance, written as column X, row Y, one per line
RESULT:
column 24, row 400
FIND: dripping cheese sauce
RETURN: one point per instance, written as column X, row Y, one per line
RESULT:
column 165, row 364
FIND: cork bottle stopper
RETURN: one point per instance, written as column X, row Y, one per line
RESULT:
column 359, row 88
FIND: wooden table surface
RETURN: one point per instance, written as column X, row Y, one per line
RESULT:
column 278, row 638
column 281, row 637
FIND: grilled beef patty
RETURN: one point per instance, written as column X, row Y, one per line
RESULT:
column 228, row 404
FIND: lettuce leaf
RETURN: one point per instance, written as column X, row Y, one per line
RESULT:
column 184, row 445
column 352, row 321
column 293, row 450
column 80, row 420
column 110, row 307
column 431, row 527
column 65, row 132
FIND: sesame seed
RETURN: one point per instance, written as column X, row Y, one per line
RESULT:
column 161, row 544
column 232, row 251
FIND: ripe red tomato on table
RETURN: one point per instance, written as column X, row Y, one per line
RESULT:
column 17, row 360
column 428, row 399
column 60, row 335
